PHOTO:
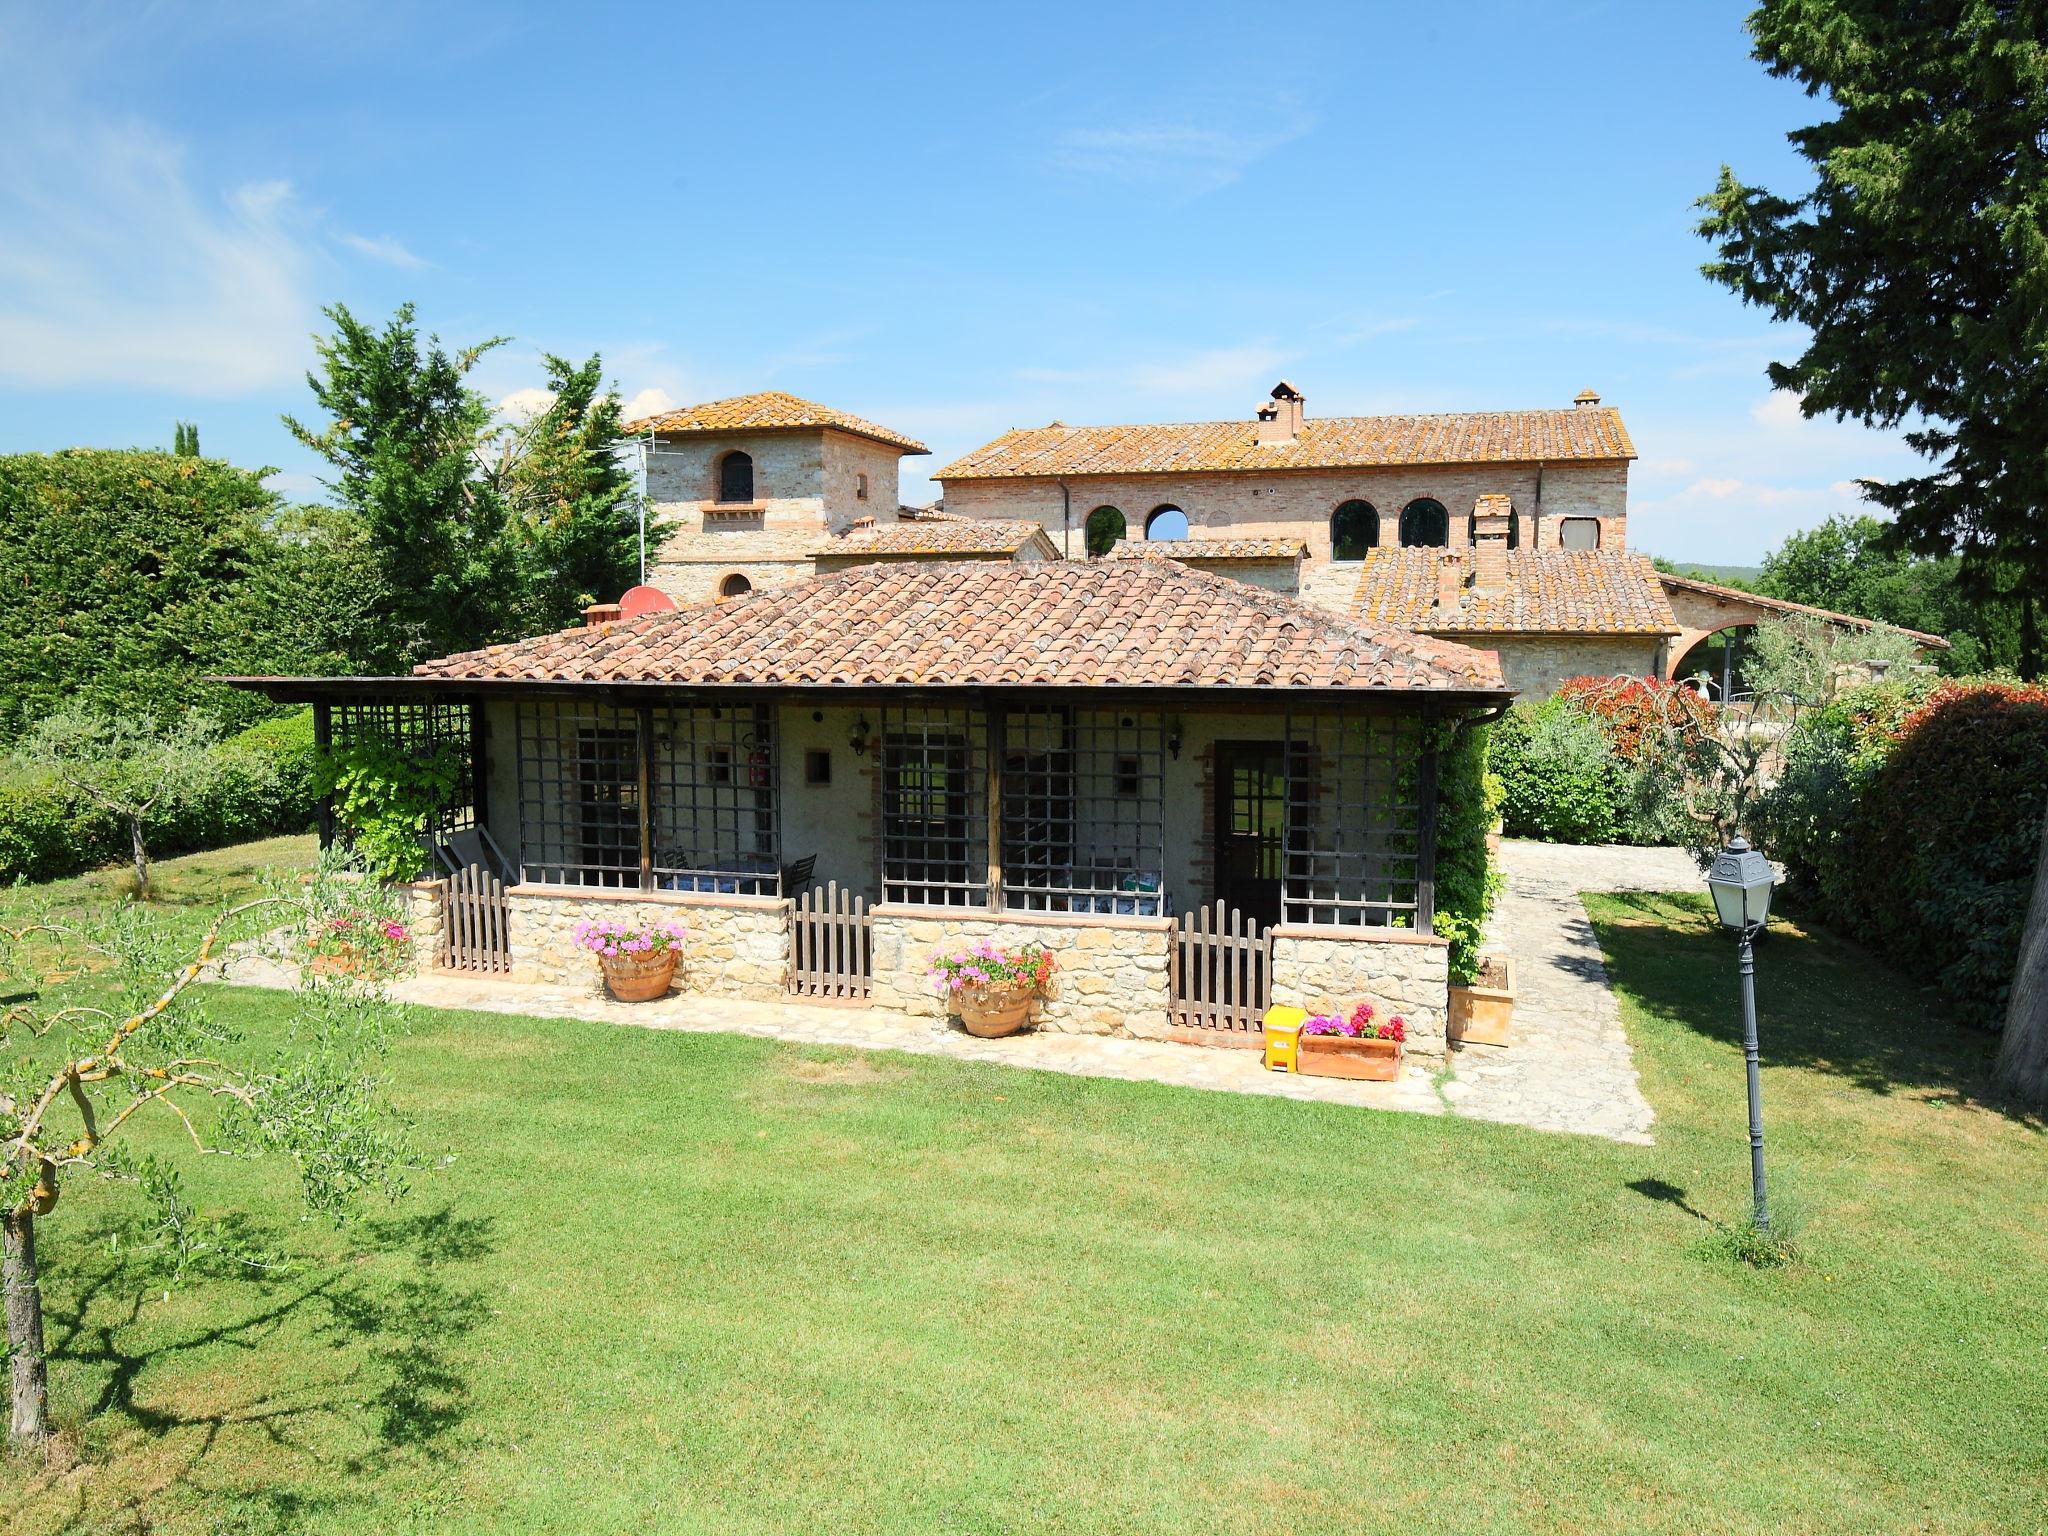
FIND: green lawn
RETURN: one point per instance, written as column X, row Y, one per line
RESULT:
column 689, row 1283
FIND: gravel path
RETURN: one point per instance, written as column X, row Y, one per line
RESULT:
column 1570, row 1067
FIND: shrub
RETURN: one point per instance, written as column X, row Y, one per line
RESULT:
column 385, row 795
column 1467, row 884
column 1561, row 780
column 1943, row 840
column 1637, row 715
column 257, row 783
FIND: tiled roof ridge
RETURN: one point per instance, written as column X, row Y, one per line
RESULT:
column 1786, row 605
column 804, row 414
column 1550, row 591
column 1592, row 433
column 950, row 623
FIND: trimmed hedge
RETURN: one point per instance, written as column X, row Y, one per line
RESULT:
column 261, row 784
column 1936, row 824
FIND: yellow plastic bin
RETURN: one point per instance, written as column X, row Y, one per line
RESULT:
column 1283, row 1038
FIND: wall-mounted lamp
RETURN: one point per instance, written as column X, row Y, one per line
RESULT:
column 1174, row 737
column 859, row 743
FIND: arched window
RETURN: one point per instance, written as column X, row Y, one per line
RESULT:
column 1354, row 528
column 1425, row 525
column 1104, row 527
column 1578, row 532
column 734, row 585
column 1167, row 522
column 736, row 477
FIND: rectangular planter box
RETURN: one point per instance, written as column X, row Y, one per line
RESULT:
column 1481, row 1013
column 1372, row 1061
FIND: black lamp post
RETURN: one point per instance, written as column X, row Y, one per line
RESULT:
column 1742, row 882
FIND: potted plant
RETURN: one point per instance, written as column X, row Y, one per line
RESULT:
column 991, row 988
column 1482, row 1010
column 638, row 959
column 1360, row 1046
column 358, row 942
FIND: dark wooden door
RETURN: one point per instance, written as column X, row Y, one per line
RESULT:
column 1251, row 826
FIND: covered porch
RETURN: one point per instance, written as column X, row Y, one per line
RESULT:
column 1191, row 849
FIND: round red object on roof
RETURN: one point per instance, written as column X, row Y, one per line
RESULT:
column 644, row 600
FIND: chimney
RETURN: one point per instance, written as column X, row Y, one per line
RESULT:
column 601, row 613
column 1491, row 517
column 1280, row 417
column 1450, row 581
column 1586, row 399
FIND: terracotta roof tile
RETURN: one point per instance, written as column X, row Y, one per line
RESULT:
column 1198, row 550
column 1563, row 591
column 937, row 536
column 769, row 411
column 1780, row 605
column 965, row 623
column 1331, row 442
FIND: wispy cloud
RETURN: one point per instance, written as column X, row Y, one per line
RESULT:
column 382, row 248
column 1182, row 155
column 1206, row 372
column 115, row 269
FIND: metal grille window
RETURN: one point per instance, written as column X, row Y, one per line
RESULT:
column 1083, row 811
column 1359, row 814
column 934, row 769
column 712, row 799
column 579, row 794
column 417, row 731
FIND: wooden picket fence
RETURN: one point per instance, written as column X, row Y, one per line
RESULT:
column 475, row 932
column 831, row 944
column 1222, row 969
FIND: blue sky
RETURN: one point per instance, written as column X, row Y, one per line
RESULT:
column 953, row 219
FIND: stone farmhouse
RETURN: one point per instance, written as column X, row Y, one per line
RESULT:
column 1506, row 530
column 1175, row 701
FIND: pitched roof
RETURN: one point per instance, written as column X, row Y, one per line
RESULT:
column 1551, row 592
column 960, row 623
column 1207, row 549
column 1330, row 442
column 936, row 536
column 769, row 411
column 1779, row 605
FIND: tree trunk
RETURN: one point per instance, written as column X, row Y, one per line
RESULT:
column 30, row 1423
column 2023, row 1053
column 141, row 857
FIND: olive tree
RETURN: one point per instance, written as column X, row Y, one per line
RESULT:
column 112, row 1028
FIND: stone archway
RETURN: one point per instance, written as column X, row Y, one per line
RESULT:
column 1720, row 653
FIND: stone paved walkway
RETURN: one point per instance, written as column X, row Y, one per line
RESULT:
column 1569, row 1068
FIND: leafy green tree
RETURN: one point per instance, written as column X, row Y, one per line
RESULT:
column 1917, row 263
column 403, row 434
column 312, row 598
column 1849, row 564
column 126, row 765
column 107, row 1030
column 185, row 440
column 572, row 520
column 124, row 573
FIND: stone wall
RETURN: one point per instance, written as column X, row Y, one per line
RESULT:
column 424, row 903
column 1535, row 664
column 738, row 945
column 1111, row 977
column 1326, row 970
column 1298, row 504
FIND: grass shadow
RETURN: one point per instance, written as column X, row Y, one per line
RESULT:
column 402, row 1382
column 1823, row 1003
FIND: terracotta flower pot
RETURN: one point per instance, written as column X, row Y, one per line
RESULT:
column 1480, row 1014
column 639, row 978
column 342, row 960
column 989, row 1013
column 1369, row 1060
